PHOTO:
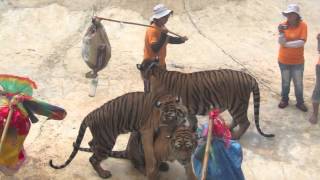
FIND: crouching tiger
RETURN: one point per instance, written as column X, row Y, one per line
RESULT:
column 169, row 146
column 135, row 111
column 201, row 91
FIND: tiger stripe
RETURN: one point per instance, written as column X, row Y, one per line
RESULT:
column 225, row 89
column 130, row 112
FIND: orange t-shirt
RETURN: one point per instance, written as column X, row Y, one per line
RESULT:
column 153, row 36
column 293, row 55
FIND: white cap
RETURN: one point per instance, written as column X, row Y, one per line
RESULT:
column 292, row 8
column 160, row 11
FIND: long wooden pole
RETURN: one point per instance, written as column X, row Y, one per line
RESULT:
column 133, row 23
column 206, row 155
column 6, row 127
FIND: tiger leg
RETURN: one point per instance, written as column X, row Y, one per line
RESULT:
column 100, row 153
column 243, row 126
column 193, row 121
column 240, row 118
column 232, row 125
column 152, row 171
column 135, row 152
column 189, row 172
column 95, row 162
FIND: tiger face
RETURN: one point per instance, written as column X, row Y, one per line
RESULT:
column 183, row 143
column 172, row 112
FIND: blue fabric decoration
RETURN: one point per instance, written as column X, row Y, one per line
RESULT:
column 224, row 162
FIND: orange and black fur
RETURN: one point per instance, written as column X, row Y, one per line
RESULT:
column 201, row 91
column 170, row 145
column 131, row 112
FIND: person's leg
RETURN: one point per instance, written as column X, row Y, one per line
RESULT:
column 314, row 116
column 285, row 84
column 316, row 98
column 297, row 75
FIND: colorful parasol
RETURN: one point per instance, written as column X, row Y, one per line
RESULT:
column 15, row 84
column 17, row 108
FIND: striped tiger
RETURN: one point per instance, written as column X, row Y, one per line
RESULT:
column 136, row 111
column 201, row 91
column 170, row 145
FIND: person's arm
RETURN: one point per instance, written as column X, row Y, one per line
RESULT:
column 282, row 39
column 176, row 40
column 290, row 44
column 157, row 45
column 294, row 44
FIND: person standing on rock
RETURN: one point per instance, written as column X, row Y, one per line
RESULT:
column 292, row 37
column 316, row 92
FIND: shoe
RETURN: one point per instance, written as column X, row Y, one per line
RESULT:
column 302, row 107
column 283, row 104
column 91, row 75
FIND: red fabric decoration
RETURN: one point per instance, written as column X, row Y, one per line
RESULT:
column 219, row 129
column 18, row 121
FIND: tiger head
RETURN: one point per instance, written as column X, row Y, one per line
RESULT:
column 172, row 112
column 146, row 72
column 183, row 143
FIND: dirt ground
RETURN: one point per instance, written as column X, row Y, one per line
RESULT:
column 42, row 40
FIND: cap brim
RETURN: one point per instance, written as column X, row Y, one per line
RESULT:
column 163, row 14
column 285, row 13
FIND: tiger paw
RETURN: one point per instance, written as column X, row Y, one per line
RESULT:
column 96, row 166
column 104, row 174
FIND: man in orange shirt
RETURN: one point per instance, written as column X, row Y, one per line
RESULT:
column 155, row 44
column 316, row 92
column 292, row 37
column 156, row 38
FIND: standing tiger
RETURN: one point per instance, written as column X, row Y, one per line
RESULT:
column 200, row 91
column 136, row 111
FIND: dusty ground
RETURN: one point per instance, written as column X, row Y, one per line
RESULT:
column 42, row 40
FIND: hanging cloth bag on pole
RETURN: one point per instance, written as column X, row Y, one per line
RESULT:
column 96, row 49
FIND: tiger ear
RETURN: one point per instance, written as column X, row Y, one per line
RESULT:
column 158, row 104
column 139, row 66
column 177, row 99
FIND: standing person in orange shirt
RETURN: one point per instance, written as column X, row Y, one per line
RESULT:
column 155, row 44
column 316, row 92
column 292, row 37
column 156, row 38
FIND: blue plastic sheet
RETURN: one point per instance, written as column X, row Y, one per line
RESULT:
column 224, row 161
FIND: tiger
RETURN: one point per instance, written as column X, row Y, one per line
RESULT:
column 170, row 145
column 225, row 89
column 135, row 111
